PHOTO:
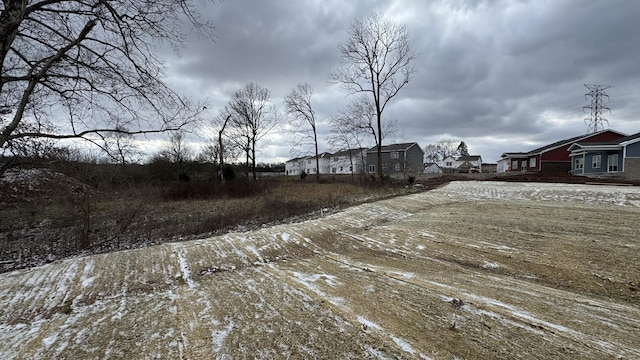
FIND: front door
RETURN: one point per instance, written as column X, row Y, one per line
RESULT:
column 612, row 163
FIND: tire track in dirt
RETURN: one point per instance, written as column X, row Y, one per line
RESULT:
column 439, row 274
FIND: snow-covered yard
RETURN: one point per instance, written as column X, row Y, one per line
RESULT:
column 470, row 270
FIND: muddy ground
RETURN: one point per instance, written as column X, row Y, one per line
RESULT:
column 473, row 270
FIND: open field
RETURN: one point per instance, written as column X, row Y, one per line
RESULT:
column 470, row 270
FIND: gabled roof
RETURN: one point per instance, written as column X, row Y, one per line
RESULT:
column 320, row 156
column 394, row 147
column 631, row 139
column 515, row 155
column 569, row 141
column 348, row 152
column 557, row 144
column 608, row 145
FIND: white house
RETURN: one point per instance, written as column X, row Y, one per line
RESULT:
column 323, row 161
column 503, row 165
column 294, row 167
column 348, row 161
column 471, row 163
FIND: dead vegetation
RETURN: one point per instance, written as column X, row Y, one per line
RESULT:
column 47, row 216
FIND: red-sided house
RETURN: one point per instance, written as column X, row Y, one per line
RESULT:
column 554, row 157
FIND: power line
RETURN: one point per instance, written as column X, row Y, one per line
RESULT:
column 595, row 121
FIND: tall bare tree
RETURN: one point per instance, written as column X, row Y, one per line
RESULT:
column 302, row 119
column 377, row 60
column 252, row 116
column 354, row 127
column 90, row 67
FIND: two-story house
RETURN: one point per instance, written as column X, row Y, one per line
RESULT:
column 404, row 159
column 351, row 161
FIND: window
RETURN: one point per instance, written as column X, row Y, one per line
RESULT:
column 372, row 168
column 449, row 164
column 532, row 162
column 384, row 167
column 596, row 161
column 350, row 168
column 579, row 164
column 514, row 165
column 397, row 167
column 333, row 170
column 523, row 165
column 308, row 162
column 612, row 161
column 340, row 168
column 395, row 155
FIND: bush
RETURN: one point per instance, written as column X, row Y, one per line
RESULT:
column 303, row 175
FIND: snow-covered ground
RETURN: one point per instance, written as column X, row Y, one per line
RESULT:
column 470, row 270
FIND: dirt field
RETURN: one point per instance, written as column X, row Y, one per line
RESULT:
column 473, row 270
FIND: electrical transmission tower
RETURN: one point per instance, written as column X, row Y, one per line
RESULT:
column 595, row 122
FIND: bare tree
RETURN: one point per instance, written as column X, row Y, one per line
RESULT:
column 224, row 148
column 303, row 120
column 440, row 150
column 253, row 116
column 178, row 152
column 354, row 127
column 377, row 60
column 120, row 148
column 92, row 64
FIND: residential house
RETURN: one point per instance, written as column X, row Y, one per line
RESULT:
column 619, row 158
column 471, row 163
column 404, row 159
column 448, row 164
column 350, row 161
column 323, row 161
column 553, row 157
column 432, row 168
column 295, row 166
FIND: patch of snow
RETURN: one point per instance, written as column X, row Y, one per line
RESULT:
column 370, row 324
column 220, row 336
column 48, row 341
column 184, row 268
column 403, row 344
column 490, row 265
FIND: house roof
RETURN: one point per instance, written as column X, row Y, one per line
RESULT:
column 557, row 144
column 394, row 147
column 630, row 139
column 347, row 152
column 515, row 155
column 608, row 145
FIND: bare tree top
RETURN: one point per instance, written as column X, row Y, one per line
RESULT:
column 378, row 58
column 92, row 63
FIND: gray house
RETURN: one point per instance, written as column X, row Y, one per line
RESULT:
column 618, row 158
column 398, row 160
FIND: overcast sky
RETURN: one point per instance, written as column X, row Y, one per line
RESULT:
column 499, row 75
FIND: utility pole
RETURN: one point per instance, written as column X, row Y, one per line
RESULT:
column 595, row 121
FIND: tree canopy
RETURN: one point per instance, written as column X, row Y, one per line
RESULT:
column 83, row 68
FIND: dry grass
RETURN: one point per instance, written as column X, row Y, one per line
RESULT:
column 52, row 224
